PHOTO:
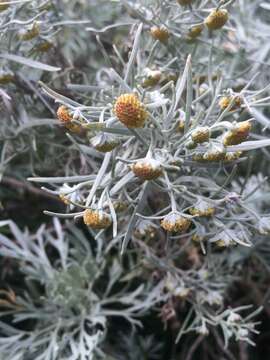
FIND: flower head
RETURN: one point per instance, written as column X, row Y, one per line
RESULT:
column 147, row 169
column 237, row 134
column 225, row 101
column 202, row 208
column 195, row 31
column 160, row 33
column 96, row 219
column 65, row 117
column 130, row 111
column 200, row 135
column 175, row 222
column 216, row 19
column 104, row 142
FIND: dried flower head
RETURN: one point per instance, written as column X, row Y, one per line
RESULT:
column 147, row 169
column 230, row 237
column 64, row 114
column 97, row 219
column 130, row 111
column 175, row 222
column 120, row 205
column 216, row 19
column 160, row 33
column 237, row 134
column 200, row 134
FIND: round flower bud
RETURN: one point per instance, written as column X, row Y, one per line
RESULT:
column 202, row 208
column 6, row 77
column 190, row 145
column 97, row 219
column 152, row 78
column 225, row 238
column 64, row 114
column 130, row 111
column 226, row 100
column 30, row 33
column 3, row 6
column 238, row 134
column 184, row 2
column 197, row 238
column 145, row 230
column 120, row 206
column 264, row 225
column 175, row 222
column 104, row 142
column 147, row 169
column 169, row 77
column 195, row 31
column 44, row 46
column 181, row 122
column 160, row 33
column 64, row 199
column 232, row 156
column 200, row 134
column 215, row 153
column 198, row 157
column 216, row 19
column 65, row 117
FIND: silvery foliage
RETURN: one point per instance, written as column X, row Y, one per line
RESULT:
column 71, row 318
column 24, row 133
column 186, row 180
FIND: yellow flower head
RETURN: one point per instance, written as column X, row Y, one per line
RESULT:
column 96, row 219
column 130, row 111
column 147, row 169
column 160, row 33
column 216, row 19
column 238, row 134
